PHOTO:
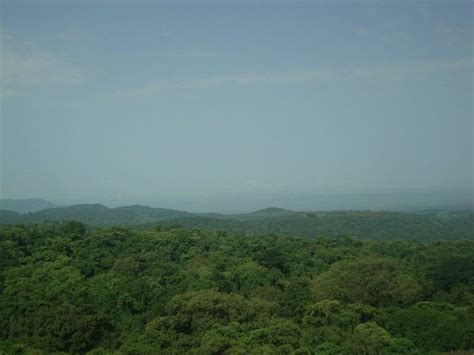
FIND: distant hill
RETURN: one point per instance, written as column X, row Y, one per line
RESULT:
column 25, row 205
column 423, row 226
column 263, row 213
column 428, row 225
column 270, row 212
column 97, row 215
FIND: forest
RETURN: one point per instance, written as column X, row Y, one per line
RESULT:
column 68, row 288
column 424, row 225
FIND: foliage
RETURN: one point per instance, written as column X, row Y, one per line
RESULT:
column 371, row 280
column 69, row 288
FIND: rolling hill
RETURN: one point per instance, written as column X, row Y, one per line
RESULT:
column 96, row 215
column 426, row 225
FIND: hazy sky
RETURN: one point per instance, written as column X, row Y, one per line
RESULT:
column 125, row 102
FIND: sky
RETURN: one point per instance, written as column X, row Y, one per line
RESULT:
column 168, row 103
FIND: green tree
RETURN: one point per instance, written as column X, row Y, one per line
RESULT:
column 371, row 280
column 369, row 339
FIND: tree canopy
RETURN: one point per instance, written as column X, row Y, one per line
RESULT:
column 69, row 288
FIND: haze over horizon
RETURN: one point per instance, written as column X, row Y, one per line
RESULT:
column 197, row 105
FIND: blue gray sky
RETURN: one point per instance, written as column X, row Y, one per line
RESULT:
column 162, row 103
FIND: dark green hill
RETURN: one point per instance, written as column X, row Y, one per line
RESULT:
column 429, row 225
column 269, row 212
column 98, row 215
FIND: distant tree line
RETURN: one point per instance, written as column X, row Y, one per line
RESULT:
column 422, row 226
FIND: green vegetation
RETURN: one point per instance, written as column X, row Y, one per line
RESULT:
column 68, row 288
column 421, row 226
column 95, row 214
column 428, row 225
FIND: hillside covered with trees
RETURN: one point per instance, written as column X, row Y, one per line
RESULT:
column 429, row 225
column 68, row 288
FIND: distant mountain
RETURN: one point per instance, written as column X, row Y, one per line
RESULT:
column 429, row 225
column 426, row 225
column 271, row 211
column 264, row 213
column 97, row 215
column 25, row 205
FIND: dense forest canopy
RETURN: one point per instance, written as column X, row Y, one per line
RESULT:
column 69, row 288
